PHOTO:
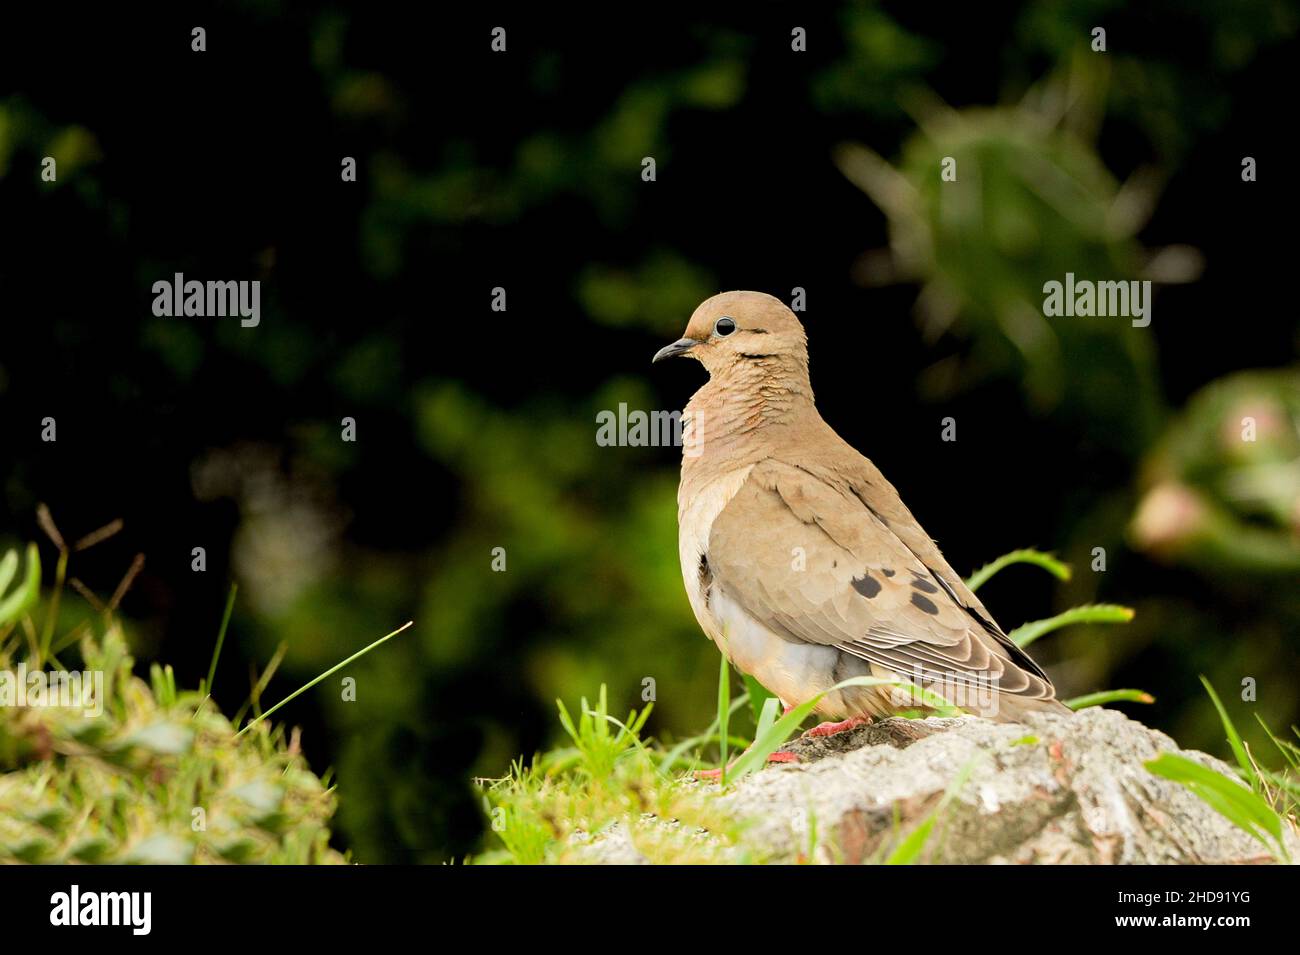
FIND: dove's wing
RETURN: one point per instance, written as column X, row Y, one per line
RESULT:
column 808, row 559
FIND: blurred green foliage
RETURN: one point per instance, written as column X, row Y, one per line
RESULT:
column 143, row 772
column 1029, row 201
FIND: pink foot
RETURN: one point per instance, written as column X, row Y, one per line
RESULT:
column 830, row 729
column 716, row 774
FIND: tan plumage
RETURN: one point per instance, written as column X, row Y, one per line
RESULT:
column 800, row 560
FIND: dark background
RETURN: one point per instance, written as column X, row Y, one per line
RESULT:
column 476, row 429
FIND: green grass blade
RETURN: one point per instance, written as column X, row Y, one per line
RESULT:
column 1109, row 696
column 8, row 567
column 637, row 723
column 1290, row 752
column 907, row 851
column 1234, row 738
column 1239, row 805
column 670, row 760
column 598, row 724
column 724, row 711
column 1288, row 788
column 1058, row 569
column 221, row 638
column 629, row 734
column 768, row 743
column 328, row 673
column 767, row 716
column 52, row 610
column 254, row 701
column 27, row 593
column 910, row 849
column 1026, row 634
column 758, row 695
column 566, row 721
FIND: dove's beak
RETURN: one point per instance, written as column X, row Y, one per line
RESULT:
column 679, row 347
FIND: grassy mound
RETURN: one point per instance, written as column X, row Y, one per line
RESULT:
column 152, row 774
column 100, row 766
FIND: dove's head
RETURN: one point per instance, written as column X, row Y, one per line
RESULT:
column 742, row 327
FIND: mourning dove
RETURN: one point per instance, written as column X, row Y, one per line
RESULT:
column 800, row 561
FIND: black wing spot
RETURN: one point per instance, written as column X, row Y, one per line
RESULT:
column 924, row 604
column 888, row 572
column 866, row 585
column 925, row 586
column 706, row 575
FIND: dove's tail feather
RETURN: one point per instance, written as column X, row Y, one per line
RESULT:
column 1012, row 709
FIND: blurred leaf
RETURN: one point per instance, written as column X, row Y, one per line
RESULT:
column 27, row 593
column 161, row 850
column 1026, row 634
column 1234, row 738
column 1109, row 696
column 167, row 739
column 1049, row 563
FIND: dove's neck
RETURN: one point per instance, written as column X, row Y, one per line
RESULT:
column 744, row 408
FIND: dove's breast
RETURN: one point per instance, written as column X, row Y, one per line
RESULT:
column 791, row 669
column 696, row 513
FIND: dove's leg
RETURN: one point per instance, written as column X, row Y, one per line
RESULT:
column 830, row 729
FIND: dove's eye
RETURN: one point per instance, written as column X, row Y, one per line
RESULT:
column 724, row 326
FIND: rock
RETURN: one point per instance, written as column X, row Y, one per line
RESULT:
column 1056, row 789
